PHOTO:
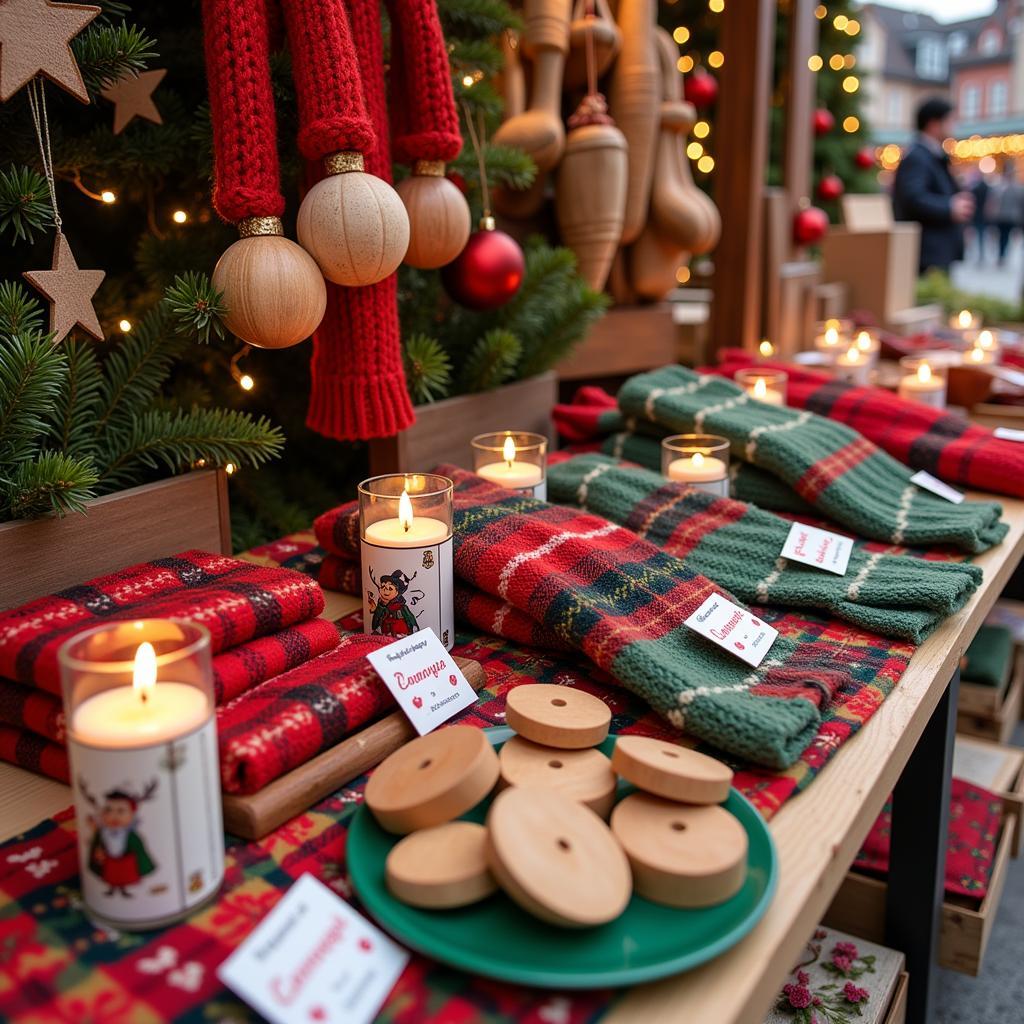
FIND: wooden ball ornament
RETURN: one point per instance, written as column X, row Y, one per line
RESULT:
column 557, row 716
column 439, row 218
column 273, row 290
column 671, row 771
column 353, row 223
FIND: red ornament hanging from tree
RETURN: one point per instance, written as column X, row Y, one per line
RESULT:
column 700, row 88
column 830, row 188
column 809, row 225
column 865, row 158
column 823, row 121
column 488, row 271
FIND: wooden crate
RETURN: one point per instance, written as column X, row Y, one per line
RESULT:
column 997, row 768
column 986, row 701
column 999, row 726
column 443, row 430
column 898, row 1006
column 859, row 908
column 40, row 556
column 627, row 340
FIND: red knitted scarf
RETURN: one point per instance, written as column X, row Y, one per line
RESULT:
column 358, row 385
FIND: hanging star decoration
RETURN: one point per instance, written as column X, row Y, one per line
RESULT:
column 132, row 97
column 70, row 292
column 35, row 37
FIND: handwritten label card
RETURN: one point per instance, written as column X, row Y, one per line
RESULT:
column 734, row 629
column 314, row 959
column 820, row 548
column 936, row 486
column 424, row 679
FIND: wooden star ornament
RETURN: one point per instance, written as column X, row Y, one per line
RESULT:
column 35, row 37
column 132, row 96
column 70, row 292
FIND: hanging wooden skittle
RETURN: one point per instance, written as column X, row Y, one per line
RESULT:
column 591, row 19
column 132, row 97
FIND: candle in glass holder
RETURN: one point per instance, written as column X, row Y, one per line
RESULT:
column 854, row 366
column 978, row 356
column 405, row 529
column 142, row 745
column 830, row 342
column 765, row 385
column 516, row 460
column 922, row 383
column 869, row 344
column 700, row 460
column 965, row 320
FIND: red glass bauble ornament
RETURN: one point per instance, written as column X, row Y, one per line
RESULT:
column 823, row 121
column 700, row 89
column 488, row 271
column 809, row 225
column 865, row 158
column 830, row 187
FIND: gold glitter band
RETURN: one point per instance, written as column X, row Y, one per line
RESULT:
column 250, row 226
column 429, row 168
column 487, row 224
column 343, row 163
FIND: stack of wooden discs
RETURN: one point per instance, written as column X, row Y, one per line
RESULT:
column 546, row 842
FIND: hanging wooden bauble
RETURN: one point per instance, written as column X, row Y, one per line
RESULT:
column 273, row 290
column 353, row 223
column 439, row 219
column 607, row 41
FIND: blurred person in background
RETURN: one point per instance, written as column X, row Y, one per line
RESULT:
column 1004, row 206
column 980, row 189
column 926, row 191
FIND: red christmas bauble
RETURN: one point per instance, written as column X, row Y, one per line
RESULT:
column 823, row 121
column 865, row 158
column 700, row 89
column 809, row 225
column 830, row 187
column 488, row 271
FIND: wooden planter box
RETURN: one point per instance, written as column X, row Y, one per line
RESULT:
column 626, row 340
column 443, row 430
column 40, row 556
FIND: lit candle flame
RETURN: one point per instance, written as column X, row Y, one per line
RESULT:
column 405, row 516
column 144, row 672
column 864, row 341
column 985, row 340
column 853, row 354
column 760, row 388
column 831, row 336
column 766, row 348
column 964, row 319
column 697, row 461
column 831, row 324
column 924, row 373
column 976, row 355
column 508, row 451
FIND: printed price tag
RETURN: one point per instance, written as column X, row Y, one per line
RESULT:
column 423, row 678
column 734, row 629
column 1007, row 434
column 936, row 486
column 313, row 958
column 820, row 548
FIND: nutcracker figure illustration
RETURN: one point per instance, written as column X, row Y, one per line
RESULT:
column 392, row 614
column 117, row 851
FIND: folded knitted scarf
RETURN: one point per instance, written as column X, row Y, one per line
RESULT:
column 235, row 600
column 843, row 475
column 945, row 444
column 738, row 546
column 622, row 602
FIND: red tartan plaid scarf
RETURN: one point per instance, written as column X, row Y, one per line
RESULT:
column 944, row 444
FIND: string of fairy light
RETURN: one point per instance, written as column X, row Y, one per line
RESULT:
column 840, row 61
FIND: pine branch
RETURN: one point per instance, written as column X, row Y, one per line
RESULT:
column 491, row 361
column 179, row 439
column 31, row 371
column 106, row 53
column 505, row 166
column 24, row 203
column 475, row 55
column 52, row 484
column 20, row 312
column 476, row 18
column 428, row 370
column 195, row 306
column 77, row 404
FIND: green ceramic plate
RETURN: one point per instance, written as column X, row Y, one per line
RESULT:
column 496, row 939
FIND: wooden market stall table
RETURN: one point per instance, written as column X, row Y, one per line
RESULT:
column 905, row 747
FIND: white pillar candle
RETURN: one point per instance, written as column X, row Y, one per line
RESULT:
column 511, row 473
column 829, row 343
column 924, row 386
column 853, row 366
column 867, row 343
column 760, row 389
column 704, row 472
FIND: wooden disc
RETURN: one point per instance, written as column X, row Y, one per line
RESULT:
column 556, row 858
column 585, row 776
column 681, row 855
column 439, row 867
column 557, row 716
column 432, row 780
column 669, row 770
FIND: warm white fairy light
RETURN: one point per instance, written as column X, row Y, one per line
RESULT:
column 179, row 216
column 246, row 383
column 124, row 325
column 107, row 196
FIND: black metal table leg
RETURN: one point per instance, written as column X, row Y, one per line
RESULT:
column 917, row 860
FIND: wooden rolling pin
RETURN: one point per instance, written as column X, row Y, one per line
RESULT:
column 256, row 814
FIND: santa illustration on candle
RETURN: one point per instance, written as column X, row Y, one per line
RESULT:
column 117, row 853
column 392, row 616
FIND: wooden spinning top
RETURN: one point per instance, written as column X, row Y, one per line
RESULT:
column 444, row 866
column 556, row 858
column 557, row 716
column 681, row 856
column 432, row 780
column 585, row 776
column 671, row 771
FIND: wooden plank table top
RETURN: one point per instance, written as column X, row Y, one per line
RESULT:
column 817, row 833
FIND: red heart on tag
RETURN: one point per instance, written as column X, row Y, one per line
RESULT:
column 453, row 680
column 318, row 1013
column 739, row 646
column 417, row 702
column 754, row 621
column 365, row 945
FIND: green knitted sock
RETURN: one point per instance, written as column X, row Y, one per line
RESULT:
column 746, row 482
column 844, row 476
column 738, row 546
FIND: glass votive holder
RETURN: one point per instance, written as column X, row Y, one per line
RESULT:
column 142, row 745
column 700, row 460
column 831, row 340
column 867, row 342
column 965, row 320
column 853, row 366
column 514, row 459
column 765, row 385
column 986, row 340
column 923, row 381
column 978, row 356
column 405, row 544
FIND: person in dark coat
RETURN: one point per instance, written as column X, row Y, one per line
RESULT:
column 926, row 191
